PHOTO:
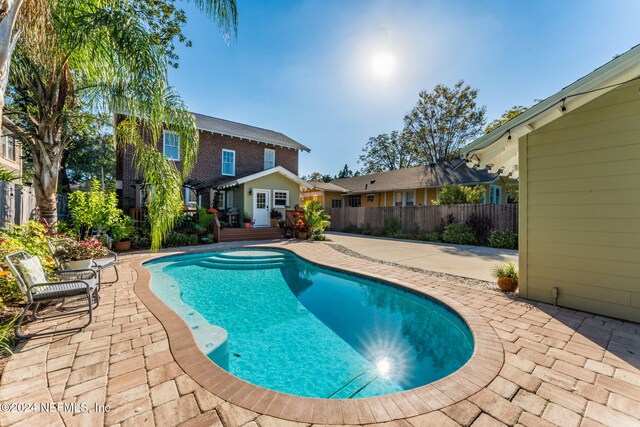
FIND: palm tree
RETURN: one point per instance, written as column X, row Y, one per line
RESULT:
column 97, row 56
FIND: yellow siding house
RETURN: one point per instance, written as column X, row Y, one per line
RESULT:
column 577, row 155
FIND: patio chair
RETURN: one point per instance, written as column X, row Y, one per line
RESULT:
column 36, row 289
column 100, row 264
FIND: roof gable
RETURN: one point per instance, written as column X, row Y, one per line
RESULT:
column 240, row 130
column 278, row 169
column 499, row 148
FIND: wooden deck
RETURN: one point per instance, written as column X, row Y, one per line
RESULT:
column 243, row 234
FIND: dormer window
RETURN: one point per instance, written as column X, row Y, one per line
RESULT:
column 171, row 145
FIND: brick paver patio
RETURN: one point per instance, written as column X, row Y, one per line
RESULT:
column 560, row 367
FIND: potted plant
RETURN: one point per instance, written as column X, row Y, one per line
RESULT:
column 120, row 232
column 247, row 220
column 276, row 215
column 76, row 255
column 281, row 223
column 507, row 275
column 302, row 228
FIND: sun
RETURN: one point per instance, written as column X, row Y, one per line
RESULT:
column 383, row 65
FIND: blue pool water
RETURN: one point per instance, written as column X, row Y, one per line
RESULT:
column 280, row 322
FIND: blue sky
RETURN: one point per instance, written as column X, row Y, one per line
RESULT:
column 305, row 68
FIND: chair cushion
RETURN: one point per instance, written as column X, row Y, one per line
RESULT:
column 65, row 290
column 32, row 272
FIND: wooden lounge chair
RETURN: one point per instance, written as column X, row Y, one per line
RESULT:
column 36, row 289
column 100, row 264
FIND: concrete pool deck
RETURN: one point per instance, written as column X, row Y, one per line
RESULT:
column 559, row 366
column 474, row 262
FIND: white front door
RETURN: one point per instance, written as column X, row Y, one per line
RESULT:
column 261, row 207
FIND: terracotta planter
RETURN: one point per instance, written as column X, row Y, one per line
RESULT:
column 507, row 284
column 274, row 222
column 122, row 245
column 302, row 235
column 82, row 264
column 247, row 225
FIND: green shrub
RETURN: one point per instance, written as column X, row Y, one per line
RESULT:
column 459, row 234
column 505, row 239
column 96, row 209
column 378, row 233
column 434, row 236
column 7, row 337
column 32, row 238
column 391, row 226
column 180, row 239
column 451, row 194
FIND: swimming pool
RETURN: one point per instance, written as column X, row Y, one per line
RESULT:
column 282, row 323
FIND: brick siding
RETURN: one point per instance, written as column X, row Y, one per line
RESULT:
column 208, row 167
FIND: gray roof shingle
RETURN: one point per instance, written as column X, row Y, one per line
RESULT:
column 239, row 130
column 433, row 175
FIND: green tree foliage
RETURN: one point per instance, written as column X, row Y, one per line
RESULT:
column 451, row 194
column 387, row 152
column 459, row 234
column 96, row 209
column 347, row 173
column 104, row 55
column 318, row 177
column 443, row 121
column 511, row 113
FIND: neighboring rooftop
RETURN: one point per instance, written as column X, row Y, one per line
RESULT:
column 432, row 175
column 240, row 130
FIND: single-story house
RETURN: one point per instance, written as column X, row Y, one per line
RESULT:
column 577, row 156
column 415, row 186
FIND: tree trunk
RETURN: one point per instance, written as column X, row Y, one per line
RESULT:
column 46, row 165
column 7, row 44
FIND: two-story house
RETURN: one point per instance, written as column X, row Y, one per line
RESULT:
column 238, row 166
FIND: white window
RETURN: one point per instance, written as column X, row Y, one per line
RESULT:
column 496, row 195
column 280, row 198
column 269, row 158
column 9, row 148
column 410, row 198
column 405, row 198
column 171, row 145
column 229, row 203
column 228, row 162
column 217, row 199
column 398, row 200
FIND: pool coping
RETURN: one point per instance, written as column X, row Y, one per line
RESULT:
column 483, row 366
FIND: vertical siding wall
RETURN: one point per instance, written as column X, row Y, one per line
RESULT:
column 422, row 219
column 580, row 215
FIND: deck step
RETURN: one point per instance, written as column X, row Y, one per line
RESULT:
column 240, row 234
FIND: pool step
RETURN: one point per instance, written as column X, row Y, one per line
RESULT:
column 241, row 266
column 250, row 255
column 239, row 260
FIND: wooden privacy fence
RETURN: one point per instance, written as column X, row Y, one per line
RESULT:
column 18, row 204
column 422, row 219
